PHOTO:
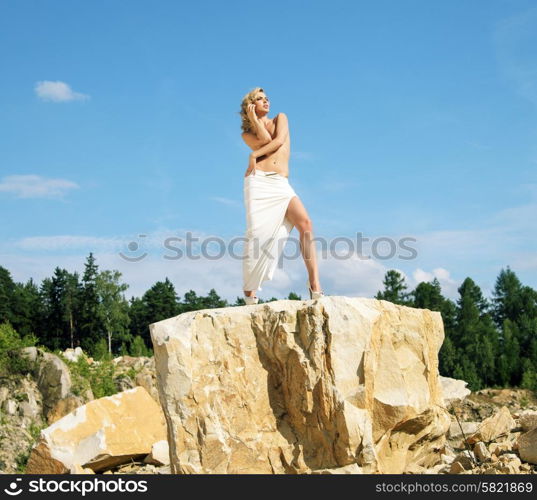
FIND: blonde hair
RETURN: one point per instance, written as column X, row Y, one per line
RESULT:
column 249, row 98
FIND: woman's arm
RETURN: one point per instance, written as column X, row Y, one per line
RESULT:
column 262, row 133
column 277, row 142
column 259, row 129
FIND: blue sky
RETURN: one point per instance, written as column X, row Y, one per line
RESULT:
column 407, row 119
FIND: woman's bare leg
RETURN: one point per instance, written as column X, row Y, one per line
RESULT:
column 297, row 214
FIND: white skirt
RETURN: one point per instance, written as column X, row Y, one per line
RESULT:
column 266, row 198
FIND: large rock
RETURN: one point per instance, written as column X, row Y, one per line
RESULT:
column 462, row 429
column 103, row 433
column 528, row 420
column 499, row 425
column 73, row 354
column 54, row 381
column 301, row 386
column 453, row 390
column 527, row 446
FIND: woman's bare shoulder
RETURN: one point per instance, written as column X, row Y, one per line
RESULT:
column 280, row 118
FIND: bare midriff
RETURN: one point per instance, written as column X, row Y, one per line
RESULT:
column 277, row 161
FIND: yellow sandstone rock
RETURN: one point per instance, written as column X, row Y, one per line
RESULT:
column 302, row 386
column 498, row 425
column 100, row 434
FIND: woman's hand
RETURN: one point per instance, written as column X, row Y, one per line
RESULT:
column 251, row 165
column 250, row 111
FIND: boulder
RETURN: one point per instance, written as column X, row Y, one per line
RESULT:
column 527, row 446
column 73, row 354
column 456, row 468
column 499, row 425
column 53, row 381
column 466, row 459
column 453, row 390
column 528, row 420
column 64, row 407
column 147, row 380
column 29, row 407
column 30, row 353
column 10, row 406
column 4, row 394
column 300, row 386
column 481, row 452
column 100, row 434
column 160, row 454
column 457, row 430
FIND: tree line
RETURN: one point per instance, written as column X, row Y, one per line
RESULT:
column 487, row 342
column 91, row 311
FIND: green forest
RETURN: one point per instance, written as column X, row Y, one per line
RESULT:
column 488, row 342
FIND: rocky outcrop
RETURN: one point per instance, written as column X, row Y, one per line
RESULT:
column 101, row 434
column 144, row 374
column 336, row 384
column 54, row 381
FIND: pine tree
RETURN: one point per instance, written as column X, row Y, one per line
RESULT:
column 474, row 335
column 27, row 309
column 191, row 302
column 7, row 292
column 158, row 303
column 428, row 296
column 447, row 358
column 394, row 289
column 518, row 305
column 526, row 320
column 213, row 300
column 139, row 319
column 161, row 301
column 138, row 347
column 509, row 372
column 506, row 297
column 91, row 326
column 53, row 291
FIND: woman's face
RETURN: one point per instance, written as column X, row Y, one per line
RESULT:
column 262, row 103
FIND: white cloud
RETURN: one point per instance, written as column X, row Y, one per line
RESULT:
column 57, row 92
column 67, row 242
column 351, row 277
column 35, row 186
column 142, row 241
column 479, row 253
column 448, row 285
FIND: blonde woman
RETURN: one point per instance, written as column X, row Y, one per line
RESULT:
column 272, row 206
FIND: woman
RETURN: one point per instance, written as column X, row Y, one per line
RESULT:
column 272, row 206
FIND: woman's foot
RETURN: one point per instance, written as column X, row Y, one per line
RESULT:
column 315, row 294
column 251, row 300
